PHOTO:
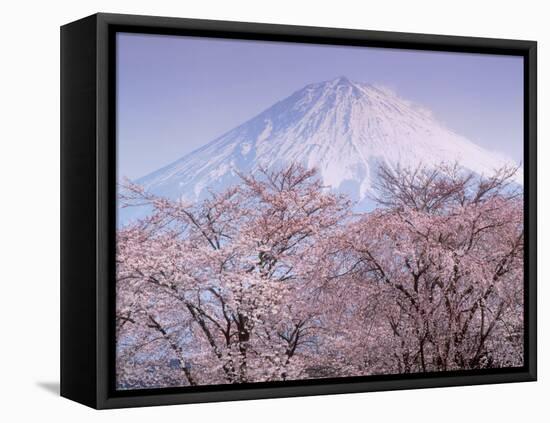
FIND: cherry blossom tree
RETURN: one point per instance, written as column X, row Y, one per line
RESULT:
column 276, row 279
column 444, row 257
column 228, row 286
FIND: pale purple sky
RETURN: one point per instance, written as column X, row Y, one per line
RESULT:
column 177, row 93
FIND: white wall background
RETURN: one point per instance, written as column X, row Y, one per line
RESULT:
column 29, row 172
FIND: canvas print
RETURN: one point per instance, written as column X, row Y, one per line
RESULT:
column 292, row 211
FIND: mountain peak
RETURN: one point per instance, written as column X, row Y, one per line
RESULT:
column 344, row 129
column 341, row 80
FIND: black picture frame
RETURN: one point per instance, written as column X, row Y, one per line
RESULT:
column 88, row 208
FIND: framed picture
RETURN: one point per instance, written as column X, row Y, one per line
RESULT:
column 256, row 211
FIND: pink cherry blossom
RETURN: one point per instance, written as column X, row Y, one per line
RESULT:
column 277, row 279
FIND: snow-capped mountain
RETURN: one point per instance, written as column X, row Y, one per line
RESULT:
column 345, row 129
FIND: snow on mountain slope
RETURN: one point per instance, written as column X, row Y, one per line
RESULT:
column 345, row 129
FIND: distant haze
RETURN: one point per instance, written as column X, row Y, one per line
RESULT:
column 175, row 94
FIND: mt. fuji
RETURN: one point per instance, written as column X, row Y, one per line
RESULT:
column 345, row 129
